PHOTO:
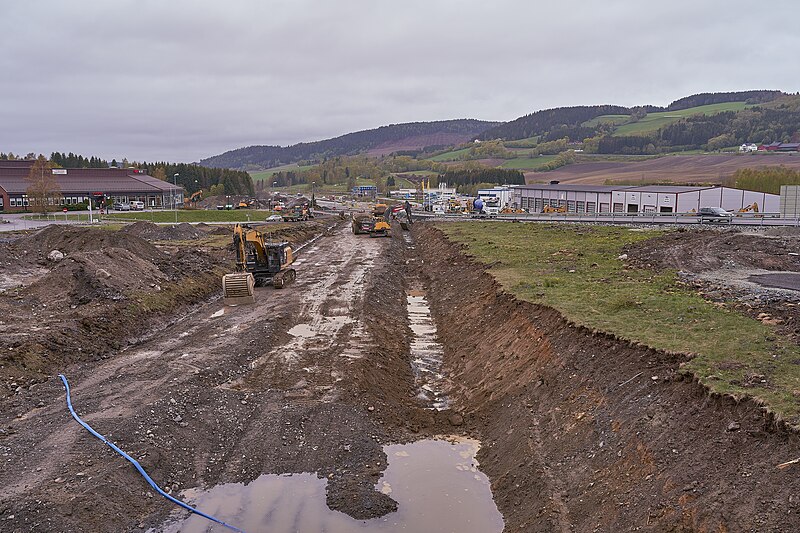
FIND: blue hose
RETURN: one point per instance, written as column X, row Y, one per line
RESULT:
column 137, row 465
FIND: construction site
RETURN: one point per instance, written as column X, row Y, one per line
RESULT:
column 414, row 382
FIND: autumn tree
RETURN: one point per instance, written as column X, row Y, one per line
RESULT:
column 160, row 174
column 43, row 190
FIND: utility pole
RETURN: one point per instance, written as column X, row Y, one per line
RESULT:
column 174, row 204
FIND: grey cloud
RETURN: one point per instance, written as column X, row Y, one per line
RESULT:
column 183, row 80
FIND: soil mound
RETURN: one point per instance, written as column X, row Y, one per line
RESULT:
column 583, row 431
column 703, row 250
column 83, row 277
column 68, row 239
column 153, row 232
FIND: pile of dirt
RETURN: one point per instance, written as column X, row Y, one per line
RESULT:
column 108, row 288
column 582, row 431
column 34, row 248
column 153, row 232
column 695, row 250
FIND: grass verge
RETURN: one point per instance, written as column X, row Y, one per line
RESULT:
column 575, row 270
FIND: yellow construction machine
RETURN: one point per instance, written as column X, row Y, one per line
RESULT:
column 746, row 209
column 380, row 221
column 258, row 262
column 550, row 209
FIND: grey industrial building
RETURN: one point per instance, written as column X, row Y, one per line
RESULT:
column 644, row 199
column 77, row 185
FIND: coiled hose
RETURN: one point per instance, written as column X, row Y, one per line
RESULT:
column 135, row 463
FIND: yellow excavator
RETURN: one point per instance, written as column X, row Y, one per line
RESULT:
column 550, row 209
column 746, row 209
column 258, row 262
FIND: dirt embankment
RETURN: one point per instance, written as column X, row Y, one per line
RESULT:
column 585, row 432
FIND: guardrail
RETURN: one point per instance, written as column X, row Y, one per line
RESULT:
column 739, row 219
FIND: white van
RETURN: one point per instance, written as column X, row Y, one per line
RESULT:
column 137, row 206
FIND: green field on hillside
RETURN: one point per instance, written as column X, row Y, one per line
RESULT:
column 653, row 121
column 607, row 119
column 450, row 156
column 528, row 163
column 578, row 273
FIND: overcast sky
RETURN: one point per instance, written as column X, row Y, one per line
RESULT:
column 182, row 80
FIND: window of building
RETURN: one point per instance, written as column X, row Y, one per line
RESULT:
column 591, row 207
column 571, row 206
column 580, row 207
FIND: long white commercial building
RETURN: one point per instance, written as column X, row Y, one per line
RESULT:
column 632, row 199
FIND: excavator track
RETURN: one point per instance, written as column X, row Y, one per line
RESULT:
column 283, row 278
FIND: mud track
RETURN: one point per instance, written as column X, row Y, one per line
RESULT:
column 581, row 431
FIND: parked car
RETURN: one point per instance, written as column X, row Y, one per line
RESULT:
column 121, row 206
column 274, row 218
column 715, row 214
column 137, row 206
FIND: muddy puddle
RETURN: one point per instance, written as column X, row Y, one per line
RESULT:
column 436, row 484
column 778, row 280
column 426, row 353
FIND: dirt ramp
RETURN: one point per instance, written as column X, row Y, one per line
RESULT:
column 586, row 432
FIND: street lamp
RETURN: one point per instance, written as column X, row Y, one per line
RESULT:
column 174, row 204
column 271, row 196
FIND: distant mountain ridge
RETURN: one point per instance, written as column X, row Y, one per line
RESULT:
column 406, row 136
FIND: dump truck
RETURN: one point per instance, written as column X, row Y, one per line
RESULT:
column 258, row 262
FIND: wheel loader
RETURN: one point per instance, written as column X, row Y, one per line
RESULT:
column 258, row 262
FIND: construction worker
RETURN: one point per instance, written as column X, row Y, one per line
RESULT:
column 407, row 207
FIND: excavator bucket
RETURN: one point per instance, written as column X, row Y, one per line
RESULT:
column 238, row 288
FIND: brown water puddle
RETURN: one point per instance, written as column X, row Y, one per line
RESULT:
column 436, row 484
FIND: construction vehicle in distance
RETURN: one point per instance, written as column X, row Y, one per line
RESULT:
column 258, row 262
column 376, row 224
column 748, row 208
column 508, row 210
column 297, row 213
column 380, row 221
column 361, row 223
column 193, row 199
column 550, row 209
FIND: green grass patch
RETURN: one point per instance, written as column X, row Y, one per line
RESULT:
column 645, row 306
column 616, row 120
column 654, row 121
column 528, row 163
column 198, row 215
column 455, row 155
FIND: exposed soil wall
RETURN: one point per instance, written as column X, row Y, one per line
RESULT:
column 585, row 432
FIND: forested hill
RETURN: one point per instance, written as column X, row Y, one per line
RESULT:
column 569, row 122
column 353, row 143
column 751, row 97
column 541, row 122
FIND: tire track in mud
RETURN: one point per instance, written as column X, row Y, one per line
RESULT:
column 329, row 323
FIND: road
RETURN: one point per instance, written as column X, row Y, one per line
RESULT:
column 222, row 395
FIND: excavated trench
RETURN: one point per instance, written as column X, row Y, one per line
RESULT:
column 582, row 431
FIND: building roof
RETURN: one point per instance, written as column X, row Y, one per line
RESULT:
column 89, row 180
column 667, row 189
column 572, row 187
